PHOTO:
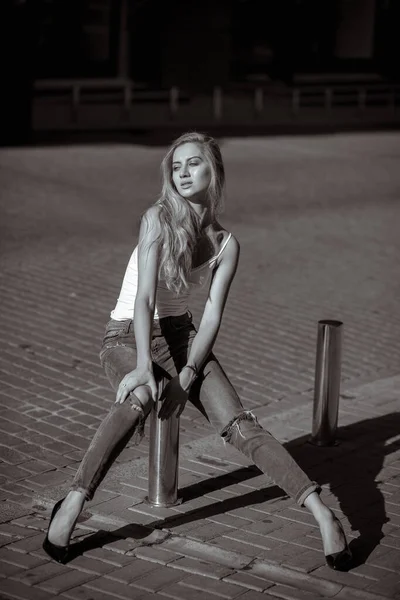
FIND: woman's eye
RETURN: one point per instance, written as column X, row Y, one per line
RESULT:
column 193, row 164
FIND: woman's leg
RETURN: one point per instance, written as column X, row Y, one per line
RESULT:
column 118, row 357
column 240, row 428
column 215, row 396
column 115, row 431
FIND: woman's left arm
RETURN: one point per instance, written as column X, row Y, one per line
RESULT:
column 176, row 392
column 213, row 311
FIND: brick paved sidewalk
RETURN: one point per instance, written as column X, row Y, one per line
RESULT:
column 319, row 239
column 236, row 534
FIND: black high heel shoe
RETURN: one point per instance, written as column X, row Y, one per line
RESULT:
column 57, row 553
column 339, row 561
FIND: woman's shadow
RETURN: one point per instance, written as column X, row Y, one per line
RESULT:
column 350, row 470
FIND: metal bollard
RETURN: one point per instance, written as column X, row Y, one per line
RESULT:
column 163, row 460
column 327, row 383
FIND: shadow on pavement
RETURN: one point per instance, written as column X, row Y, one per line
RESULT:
column 350, row 469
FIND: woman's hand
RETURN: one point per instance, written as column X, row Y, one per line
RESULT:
column 134, row 379
column 174, row 397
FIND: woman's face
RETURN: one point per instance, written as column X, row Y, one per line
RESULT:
column 191, row 173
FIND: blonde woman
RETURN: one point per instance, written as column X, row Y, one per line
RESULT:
column 151, row 346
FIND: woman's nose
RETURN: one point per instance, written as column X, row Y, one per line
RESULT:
column 184, row 171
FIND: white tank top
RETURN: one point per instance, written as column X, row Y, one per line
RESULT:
column 168, row 304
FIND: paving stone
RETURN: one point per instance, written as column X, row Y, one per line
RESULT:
column 230, row 521
column 249, row 538
column 114, row 505
column 84, row 593
column 134, row 570
column 306, row 561
column 389, row 586
column 15, row 531
column 238, row 547
column 29, row 522
column 109, row 557
column 114, row 588
column 11, row 456
column 40, row 573
column 248, row 581
column 349, row 579
column 211, row 587
column 208, row 531
column 158, row 579
column 178, row 591
column 23, row 561
column 49, row 478
column 15, row 589
column 10, row 472
column 27, row 545
column 201, row 567
column 69, row 579
column 155, row 554
column 8, row 570
column 289, row 593
column 91, row 565
column 253, row 595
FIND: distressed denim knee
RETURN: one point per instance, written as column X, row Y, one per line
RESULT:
column 246, row 434
column 234, row 425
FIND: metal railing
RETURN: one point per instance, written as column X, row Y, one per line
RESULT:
column 127, row 103
column 360, row 97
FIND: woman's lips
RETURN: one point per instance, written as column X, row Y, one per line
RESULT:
column 185, row 185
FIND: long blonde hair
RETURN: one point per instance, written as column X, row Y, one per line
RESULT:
column 180, row 224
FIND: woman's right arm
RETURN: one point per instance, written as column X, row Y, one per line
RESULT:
column 148, row 264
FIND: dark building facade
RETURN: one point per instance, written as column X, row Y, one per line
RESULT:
column 196, row 46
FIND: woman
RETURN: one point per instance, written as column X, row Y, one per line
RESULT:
column 181, row 247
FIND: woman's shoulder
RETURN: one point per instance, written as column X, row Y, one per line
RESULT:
column 227, row 244
column 223, row 236
column 152, row 214
column 150, row 222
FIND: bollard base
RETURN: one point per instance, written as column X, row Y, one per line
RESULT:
column 163, row 504
column 321, row 444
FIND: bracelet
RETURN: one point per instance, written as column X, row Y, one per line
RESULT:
column 193, row 369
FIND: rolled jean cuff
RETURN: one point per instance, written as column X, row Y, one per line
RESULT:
column 306, row 491
column 77, row 488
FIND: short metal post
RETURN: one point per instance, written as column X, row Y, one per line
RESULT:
column 76, row 99
column 362, row 99
column 328, row 98
column 173, row 100
column 296, row 101
column 259, row 101
column 217, row 103
column 327, row 383
column 127, row 99
column 163, row 460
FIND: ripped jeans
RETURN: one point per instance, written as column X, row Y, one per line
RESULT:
column 212, row 393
